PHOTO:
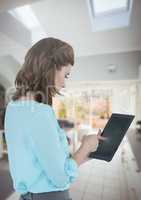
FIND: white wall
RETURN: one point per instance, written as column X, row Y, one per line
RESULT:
column 8, row 69
column 94, row 68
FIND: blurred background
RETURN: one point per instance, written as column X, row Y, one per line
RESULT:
column 106, row 78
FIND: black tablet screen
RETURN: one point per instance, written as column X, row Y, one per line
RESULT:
column 114, row 131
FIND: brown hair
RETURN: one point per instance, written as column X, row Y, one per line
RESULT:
column 38, row 71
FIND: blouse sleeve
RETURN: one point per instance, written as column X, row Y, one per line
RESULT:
column 58, row 166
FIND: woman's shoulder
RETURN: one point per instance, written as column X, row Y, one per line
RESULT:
column 43, row 107
column 30, row 105
column 43, row 113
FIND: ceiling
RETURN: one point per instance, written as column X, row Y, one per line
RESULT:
column 67, row 20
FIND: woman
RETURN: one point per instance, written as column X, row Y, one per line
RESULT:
column 40, row 163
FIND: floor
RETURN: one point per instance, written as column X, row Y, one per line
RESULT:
column 119, row 179
column 135, row 141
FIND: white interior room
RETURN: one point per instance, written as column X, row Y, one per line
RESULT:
column 106, row 37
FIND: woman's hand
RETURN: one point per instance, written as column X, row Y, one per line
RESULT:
column 90, row 142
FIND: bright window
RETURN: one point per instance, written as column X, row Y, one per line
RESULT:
column 109, row 14
column 26, row 16
column 109, row 6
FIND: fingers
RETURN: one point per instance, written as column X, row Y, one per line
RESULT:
column 101, row 137
column 99, row 132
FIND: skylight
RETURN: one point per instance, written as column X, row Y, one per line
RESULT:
column 26, row 16
column 109, row 6
column 109, row 14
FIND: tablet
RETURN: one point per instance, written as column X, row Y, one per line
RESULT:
column 114, row 131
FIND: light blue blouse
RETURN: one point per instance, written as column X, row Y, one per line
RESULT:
column 38, row 151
